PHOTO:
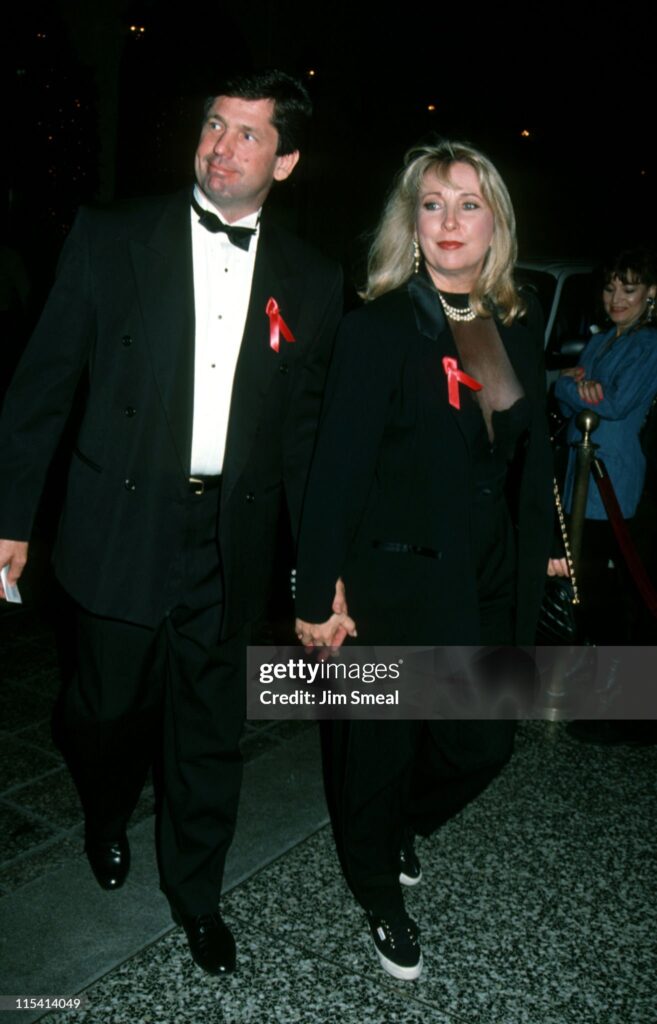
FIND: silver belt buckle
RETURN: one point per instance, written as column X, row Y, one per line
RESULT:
column 197, row 485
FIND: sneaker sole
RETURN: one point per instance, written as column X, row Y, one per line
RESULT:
column 409, row 879
column 397, row 971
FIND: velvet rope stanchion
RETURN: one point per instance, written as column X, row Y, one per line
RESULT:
column 625, row 542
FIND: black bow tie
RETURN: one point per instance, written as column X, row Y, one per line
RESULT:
column 240, row 237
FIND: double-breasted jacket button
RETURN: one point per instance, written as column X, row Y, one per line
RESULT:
column 126, row 340
column 250, row 496
column 129, row 411
column 283, row 368
column 130, row 485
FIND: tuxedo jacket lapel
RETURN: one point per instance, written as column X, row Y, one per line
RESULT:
column 165, row 285
column 257, row 364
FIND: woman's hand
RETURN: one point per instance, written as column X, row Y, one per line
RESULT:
column 590, row 391
column 335, row 630
column 576, row 372
column 558, row 567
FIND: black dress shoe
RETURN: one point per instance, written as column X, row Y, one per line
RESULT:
column 109, row 860
column 210, row 940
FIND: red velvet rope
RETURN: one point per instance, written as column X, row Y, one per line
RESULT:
column 625, row 542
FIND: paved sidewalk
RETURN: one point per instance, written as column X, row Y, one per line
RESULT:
column 537, row 904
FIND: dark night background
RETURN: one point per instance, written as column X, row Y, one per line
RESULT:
column 105, row 101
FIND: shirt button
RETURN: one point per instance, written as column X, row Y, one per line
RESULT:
column 130, row 485
column 250, row 496
column 126, row 341
column 129, row 411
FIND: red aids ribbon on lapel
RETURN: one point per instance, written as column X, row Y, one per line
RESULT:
column 456, row 377
column 277, row 325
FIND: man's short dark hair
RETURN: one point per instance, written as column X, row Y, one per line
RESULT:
column 292, row 104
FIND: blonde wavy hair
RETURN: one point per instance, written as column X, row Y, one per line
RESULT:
column 390, row 261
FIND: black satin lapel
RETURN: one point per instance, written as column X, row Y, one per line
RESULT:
column 257, row 363
column 429, row 315
column 165, row 285
column 432, row 323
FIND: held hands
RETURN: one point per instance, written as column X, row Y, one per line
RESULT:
column 14, row 554
column 333, row 632
column 558, row 567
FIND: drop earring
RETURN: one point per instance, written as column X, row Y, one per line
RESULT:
column 416, row 256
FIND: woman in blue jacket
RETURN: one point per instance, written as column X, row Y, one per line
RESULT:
column 617, row 377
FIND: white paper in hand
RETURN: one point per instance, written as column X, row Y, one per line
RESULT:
column 11, row 590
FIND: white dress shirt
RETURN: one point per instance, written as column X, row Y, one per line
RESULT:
column 223, row 274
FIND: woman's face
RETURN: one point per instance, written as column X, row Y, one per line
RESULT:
column 454, row 227
column 625, row 303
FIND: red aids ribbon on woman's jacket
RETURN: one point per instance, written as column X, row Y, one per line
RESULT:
column 277, row 325
column 456, row 377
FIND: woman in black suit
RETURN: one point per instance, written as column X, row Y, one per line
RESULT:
column 430, row 502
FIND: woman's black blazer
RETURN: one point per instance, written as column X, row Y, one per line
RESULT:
column 393, row 465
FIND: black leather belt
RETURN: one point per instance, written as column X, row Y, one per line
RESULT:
column 397, row 548
column 201, row 484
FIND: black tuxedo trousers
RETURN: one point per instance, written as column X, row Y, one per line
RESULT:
column 173, row 694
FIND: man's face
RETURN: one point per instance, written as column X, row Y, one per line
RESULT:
column 236, row 161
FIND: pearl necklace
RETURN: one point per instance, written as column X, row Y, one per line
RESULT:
column 464, row 316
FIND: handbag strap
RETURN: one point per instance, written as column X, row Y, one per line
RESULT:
column 566, row 543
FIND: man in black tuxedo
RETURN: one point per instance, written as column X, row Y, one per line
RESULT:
column 203, row 333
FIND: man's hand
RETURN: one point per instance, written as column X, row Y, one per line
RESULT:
column 558, row 567
column 333, row 632
column 14, row 554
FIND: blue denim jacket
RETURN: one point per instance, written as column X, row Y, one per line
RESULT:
column 627, row 370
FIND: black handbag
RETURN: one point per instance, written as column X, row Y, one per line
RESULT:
column 557, row 621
